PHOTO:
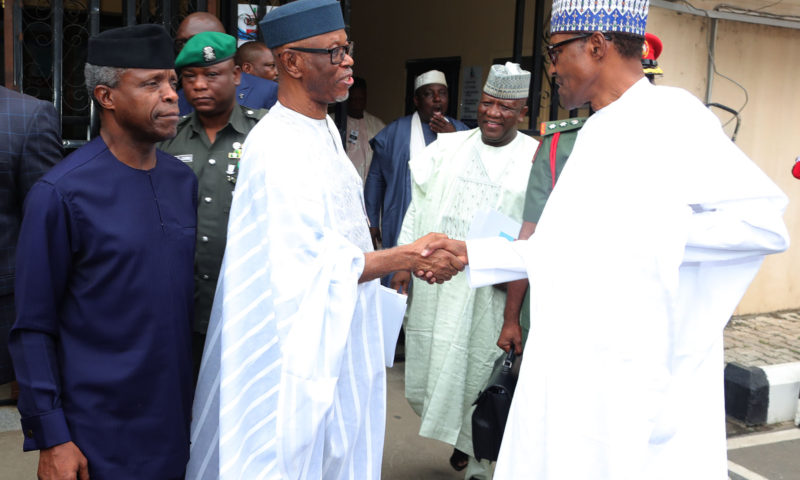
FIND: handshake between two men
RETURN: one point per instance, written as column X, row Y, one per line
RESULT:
column 433, row 258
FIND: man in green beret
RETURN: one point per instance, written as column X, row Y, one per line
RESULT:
column 210, row 141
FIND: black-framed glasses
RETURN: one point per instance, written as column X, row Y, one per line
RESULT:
column 337, row 53
column 553, row 50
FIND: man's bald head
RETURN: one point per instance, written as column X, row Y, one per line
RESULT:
column 194, row 23
column 256, row 59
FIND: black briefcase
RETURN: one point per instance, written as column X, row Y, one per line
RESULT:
column 491, row 408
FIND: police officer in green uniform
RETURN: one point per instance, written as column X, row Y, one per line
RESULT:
column 210, row 141
column 558, row 138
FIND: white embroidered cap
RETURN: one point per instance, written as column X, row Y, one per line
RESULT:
column 432, row 76
column 509, row 82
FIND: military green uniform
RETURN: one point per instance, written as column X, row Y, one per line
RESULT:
column 548, row 162
column 558, row 138
column 216, row 167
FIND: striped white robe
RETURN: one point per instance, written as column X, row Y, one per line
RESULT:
column 292, row 384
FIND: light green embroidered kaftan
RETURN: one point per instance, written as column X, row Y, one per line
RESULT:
column 451, row 329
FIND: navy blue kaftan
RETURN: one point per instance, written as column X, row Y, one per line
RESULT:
column 387, row 190
column 102, row 340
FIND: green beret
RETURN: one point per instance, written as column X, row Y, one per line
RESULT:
column 205, row 49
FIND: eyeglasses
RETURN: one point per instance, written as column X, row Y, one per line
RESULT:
column 554, row 49
column 337, row 53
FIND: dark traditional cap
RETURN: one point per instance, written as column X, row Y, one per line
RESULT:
column 207, row 48
column 301, row 19
column 139, row 46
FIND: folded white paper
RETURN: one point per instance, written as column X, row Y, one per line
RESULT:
column 392, row 306
column 491, row 223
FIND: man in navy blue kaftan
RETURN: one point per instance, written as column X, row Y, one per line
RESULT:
column 387, row 189
column 102, row 339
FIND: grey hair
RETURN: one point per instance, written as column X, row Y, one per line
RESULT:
column 100, row 75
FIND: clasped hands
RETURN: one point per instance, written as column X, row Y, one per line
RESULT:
column 436, row 259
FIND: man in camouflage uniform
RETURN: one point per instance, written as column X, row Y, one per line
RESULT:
column 210, row 141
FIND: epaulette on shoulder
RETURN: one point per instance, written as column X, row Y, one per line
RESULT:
column 254, row 113
column 549, row 128
column 184, row 119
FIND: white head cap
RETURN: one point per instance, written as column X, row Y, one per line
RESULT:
column 432, row 76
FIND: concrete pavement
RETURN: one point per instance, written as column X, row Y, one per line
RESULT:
column 750, row 340
column 762, row 373
column 761, row 456
column 406, row 455
column 766, row 339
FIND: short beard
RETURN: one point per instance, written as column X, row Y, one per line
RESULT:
column 343, row 97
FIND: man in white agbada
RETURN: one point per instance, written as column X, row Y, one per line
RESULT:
column 452, row 330
column 292, row 384
column 361, row 127
column 636, row 265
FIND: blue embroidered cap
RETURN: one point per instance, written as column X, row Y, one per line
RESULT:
column 628, row 16
column 301, row 19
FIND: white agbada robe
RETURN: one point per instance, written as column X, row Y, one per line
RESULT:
column 359, row 132
column 292, row 384
column 452, row 330
column 655, row 229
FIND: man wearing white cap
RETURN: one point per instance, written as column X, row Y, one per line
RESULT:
column 452, row 329
column 387, row 191
column 634, row 270
column 292, row 383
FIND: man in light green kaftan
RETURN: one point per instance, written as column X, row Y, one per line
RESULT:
column 451, row 329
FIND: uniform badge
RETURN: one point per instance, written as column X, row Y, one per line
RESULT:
column 237, row 151
column 208, row 54
column 231, row 172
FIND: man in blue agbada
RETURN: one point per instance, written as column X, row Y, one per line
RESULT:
column 102, row 340
column 387, row 190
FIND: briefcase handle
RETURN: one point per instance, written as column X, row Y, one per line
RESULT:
column 509, row 360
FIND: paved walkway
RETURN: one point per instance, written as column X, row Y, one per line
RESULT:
column 767, row 339
column 753, row 340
